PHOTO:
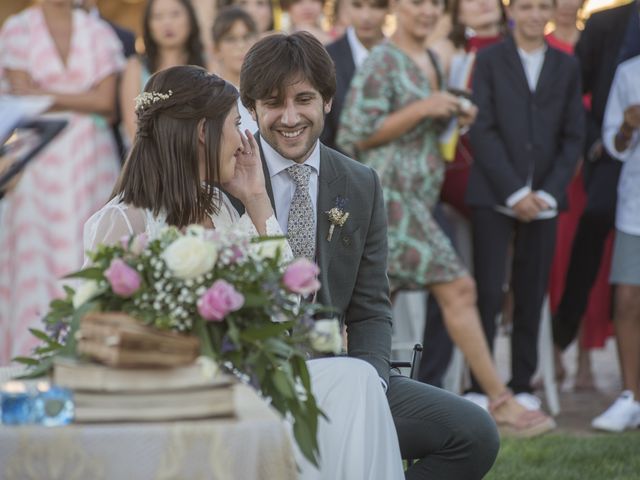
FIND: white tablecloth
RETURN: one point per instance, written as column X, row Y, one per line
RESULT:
column 254, row 446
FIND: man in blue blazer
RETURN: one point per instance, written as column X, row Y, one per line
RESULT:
column 527, row 139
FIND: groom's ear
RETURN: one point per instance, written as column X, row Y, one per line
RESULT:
column 327, row 106
column 254, row 115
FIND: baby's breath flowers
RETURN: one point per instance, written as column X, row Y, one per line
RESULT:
column 148, row 98
column 337, row 218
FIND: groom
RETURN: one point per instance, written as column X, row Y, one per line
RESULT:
column 287, row 82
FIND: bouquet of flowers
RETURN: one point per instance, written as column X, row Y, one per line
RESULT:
column 235, row 293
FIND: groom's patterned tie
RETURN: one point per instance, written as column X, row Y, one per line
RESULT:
column 300, row 225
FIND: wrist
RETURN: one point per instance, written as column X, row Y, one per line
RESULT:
column 626, row 131
column 252, row 199
column 423, row 109
column 621, row 140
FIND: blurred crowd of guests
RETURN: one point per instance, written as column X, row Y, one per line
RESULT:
column 474, row 116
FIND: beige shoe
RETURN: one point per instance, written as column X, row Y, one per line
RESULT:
column 527, row 424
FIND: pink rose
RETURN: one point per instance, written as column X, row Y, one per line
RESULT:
column 124, row 280
column 220, row 299
column 301, row 277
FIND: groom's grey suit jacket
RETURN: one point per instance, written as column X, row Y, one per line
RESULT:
column 353, row 265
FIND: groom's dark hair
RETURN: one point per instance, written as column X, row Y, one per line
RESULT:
column 280, row 60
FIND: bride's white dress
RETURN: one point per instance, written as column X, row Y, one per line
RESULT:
column 359, row 440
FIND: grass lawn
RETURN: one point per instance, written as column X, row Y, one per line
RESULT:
column 567, row 457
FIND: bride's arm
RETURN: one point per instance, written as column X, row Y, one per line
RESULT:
column 259, row 210
column 248, row 184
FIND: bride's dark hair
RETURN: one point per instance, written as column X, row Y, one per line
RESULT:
column 161, row 173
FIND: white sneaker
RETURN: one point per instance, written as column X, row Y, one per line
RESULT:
column 478, row 398
column 528, row 401
column 623, row 414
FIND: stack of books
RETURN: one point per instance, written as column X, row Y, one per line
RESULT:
column 107, row 394
column 118, row 340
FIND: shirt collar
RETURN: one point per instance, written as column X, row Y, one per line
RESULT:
column 534, row 54
column 277, row 163
column 358, row 51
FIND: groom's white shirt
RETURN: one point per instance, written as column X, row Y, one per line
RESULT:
column 283, row 185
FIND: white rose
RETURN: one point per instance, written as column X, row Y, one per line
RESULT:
column 270, row 248
column 326, row 337
column 87, row 290
column 208, row 367
column 196, row 230
column 190, row 257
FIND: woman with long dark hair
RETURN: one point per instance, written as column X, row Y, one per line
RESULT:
column 171, row 37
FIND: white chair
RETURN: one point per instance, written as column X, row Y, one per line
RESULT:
column 546, row 364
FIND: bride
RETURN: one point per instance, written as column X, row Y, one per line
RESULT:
column 188, row 140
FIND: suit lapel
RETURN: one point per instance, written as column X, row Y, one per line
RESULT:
column 348, row 66
column 332, row 183
column 549, row 69
column 515, row 63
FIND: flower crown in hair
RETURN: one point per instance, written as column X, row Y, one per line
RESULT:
column 147, row 98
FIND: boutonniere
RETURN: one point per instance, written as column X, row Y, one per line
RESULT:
column 337, row 215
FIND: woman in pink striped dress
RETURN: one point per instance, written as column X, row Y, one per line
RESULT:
column 53, row 49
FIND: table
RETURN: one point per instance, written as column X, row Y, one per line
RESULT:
column 256, row 445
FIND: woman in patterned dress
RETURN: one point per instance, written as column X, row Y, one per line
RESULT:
column 393, row 115
column 53, row 49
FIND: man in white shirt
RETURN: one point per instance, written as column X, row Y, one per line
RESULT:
column 621, row 138
column 526, row 140
column 349, row 52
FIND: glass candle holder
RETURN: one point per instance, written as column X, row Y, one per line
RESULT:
column 52, row 406
column 16, row 404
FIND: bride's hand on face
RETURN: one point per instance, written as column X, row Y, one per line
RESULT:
column 248, row 181
column 248, row 186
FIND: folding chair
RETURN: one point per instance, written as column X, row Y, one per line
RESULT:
column 414, row 368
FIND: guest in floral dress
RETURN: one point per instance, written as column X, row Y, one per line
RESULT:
column 392, row 118
column 53, row 49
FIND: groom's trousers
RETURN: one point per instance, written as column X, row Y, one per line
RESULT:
column 448, row 436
